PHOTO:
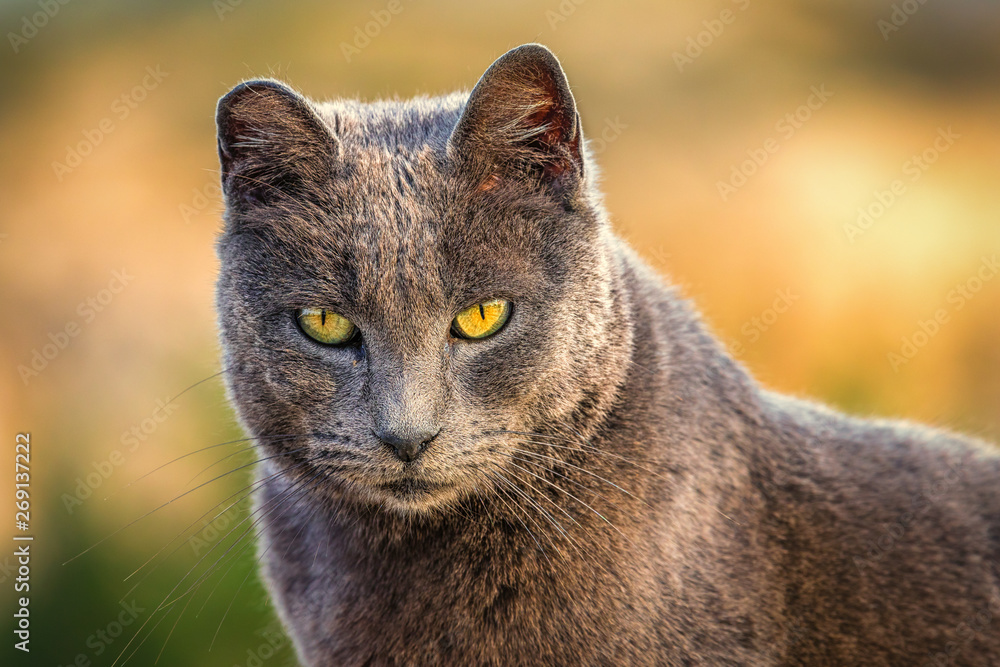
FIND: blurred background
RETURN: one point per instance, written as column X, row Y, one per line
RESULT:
column 820, row 177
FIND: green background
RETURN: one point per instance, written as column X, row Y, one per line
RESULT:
column 144, row 199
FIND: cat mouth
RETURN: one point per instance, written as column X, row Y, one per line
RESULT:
column 413, row 495
column 409, row 487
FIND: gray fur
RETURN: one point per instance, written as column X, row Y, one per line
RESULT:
column 664, row 510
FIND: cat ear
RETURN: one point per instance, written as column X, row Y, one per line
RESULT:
column 270, row 142
column 521, row 122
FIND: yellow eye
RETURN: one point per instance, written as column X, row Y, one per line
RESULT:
column 325, row 326
column 481, row 320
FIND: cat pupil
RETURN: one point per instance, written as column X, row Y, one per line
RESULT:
column 482, row 313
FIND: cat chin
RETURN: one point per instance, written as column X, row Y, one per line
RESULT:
column 408, row 497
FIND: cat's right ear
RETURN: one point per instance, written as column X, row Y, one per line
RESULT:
column 521, row 123
column 271, row 142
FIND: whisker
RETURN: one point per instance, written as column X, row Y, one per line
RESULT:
column 171, row 633
column 204, row 449
column 156, row 509
column 326, row 548
column 528, row 515
column 305, row 523
column 601, row 453
column 728, row 517
column 246, row 495
column 576, row 547
column 563, row 476
column 583, row 470
column 551, row 518
column 274, row 504
column 588, row 558
column 583, row 448
column 199, row 382
column 165, row 603
column 513, row 510
column 638, row 365
column 256, row 564
column 233, row 561
column 241, row 450
column 238, row 589
column 559, row 488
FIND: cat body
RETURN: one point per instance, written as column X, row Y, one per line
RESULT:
column 597, row 482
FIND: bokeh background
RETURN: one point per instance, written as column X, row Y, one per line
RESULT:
column 676, row 96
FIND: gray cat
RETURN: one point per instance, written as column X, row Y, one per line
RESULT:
column 491, row 435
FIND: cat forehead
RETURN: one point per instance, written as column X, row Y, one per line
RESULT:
column 392, row 175
column 394, row 125
column 402, row 216
column 397, row 218
column 399, row 230
column 397, row 193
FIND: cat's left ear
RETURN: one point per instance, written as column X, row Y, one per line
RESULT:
column 521, row 122
column 271, row 142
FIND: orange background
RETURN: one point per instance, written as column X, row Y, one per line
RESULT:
column 145, row 200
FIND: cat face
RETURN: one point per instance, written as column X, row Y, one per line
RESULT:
column 356, row 234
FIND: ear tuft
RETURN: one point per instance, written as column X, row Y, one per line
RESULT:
column 271, row 142
column 521, row 122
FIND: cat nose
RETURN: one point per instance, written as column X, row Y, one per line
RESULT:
column 407, row 446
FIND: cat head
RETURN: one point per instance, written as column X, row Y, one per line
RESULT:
column 408, row 288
